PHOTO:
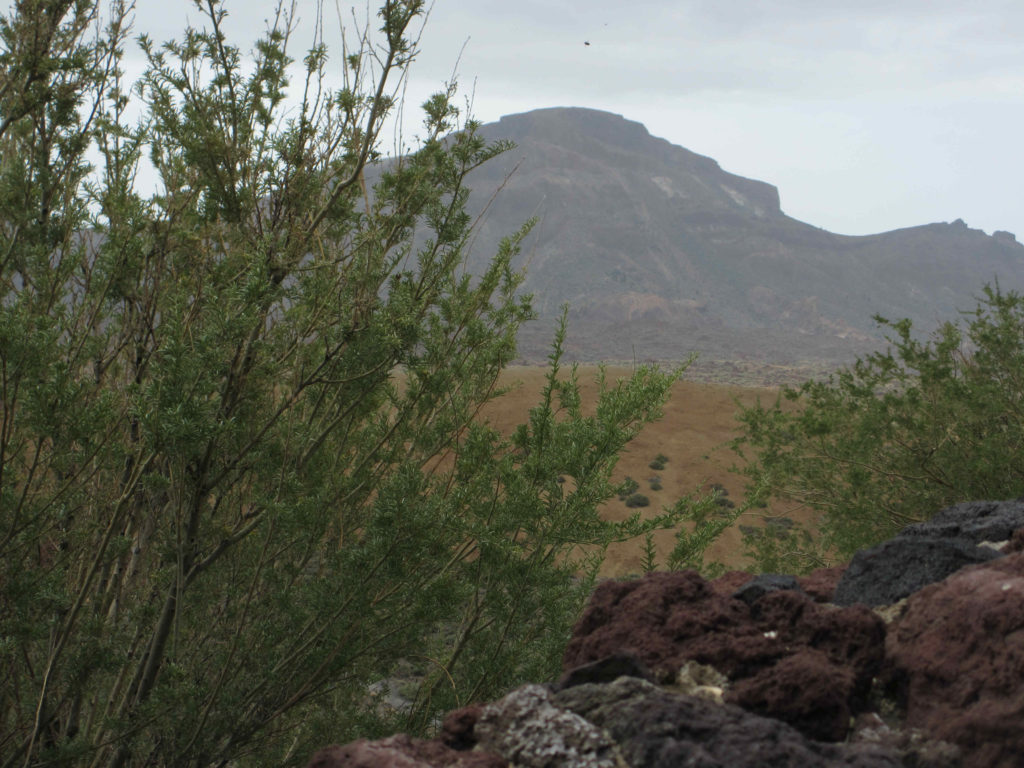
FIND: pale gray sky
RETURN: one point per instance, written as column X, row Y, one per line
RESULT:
column 868, row 115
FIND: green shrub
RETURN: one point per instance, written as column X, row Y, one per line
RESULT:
column 243, row 480
column 638, row 500
column 629, row 486
column 900, row 434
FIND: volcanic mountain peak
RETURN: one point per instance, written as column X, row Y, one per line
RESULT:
column 659, row 252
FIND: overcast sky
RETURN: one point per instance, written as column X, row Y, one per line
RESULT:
column 868, row 115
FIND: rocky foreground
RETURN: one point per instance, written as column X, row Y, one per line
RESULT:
column 911, row 655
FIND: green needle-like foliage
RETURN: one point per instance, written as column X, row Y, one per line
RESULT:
column 899, row 435
column 242, row 477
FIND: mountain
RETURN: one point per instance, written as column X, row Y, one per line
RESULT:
column 659, row 252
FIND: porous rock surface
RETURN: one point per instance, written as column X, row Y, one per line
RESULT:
column 658, row 729
column 927, row 552
column 900, row 566
column 973, row 521
column 818, row 659
column 530, row 731
column 956, row 659
column 821, row 583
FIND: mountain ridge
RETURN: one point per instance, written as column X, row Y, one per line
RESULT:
column 660, row 252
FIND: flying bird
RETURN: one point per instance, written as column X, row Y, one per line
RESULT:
column 586, row 42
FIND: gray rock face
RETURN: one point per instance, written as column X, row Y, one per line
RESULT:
column 973, row 522
column 900, row 566
column 529, row 731
column 928, row 552
column 659, row 729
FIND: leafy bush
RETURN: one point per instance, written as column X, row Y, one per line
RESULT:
column 629, row 486
column 241, row 478
column 901, row 433
column 637, row 500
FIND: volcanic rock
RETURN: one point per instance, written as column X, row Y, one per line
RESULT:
column 956, row 658
column 804, row 689
column 760, row 586
column 528, row 730
column 669, row 618
column 655, row 729
column 1016, row 543
column 972, row 521
column 729, row 582
column 925, row 553
column 914, row 748
column 821, row 583
column 606, row 670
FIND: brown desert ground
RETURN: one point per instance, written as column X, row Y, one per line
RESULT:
column 699, row 422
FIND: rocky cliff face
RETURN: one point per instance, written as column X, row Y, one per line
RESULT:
column 660, row 252
column 674, row 670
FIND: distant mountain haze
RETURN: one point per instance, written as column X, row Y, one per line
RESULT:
column 660, row 253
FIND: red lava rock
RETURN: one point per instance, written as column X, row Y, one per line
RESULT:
column 805, row 690
column 401, row 752
column 669, row 618
column 637, row 617
column 956, row 656
column 729, row 582
column 821, row 583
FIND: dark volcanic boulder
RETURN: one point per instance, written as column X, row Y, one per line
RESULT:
column 894, row 569
column 973, row 521
column 927, row 552
column 915, row 749
column 956, row 657
column 666, row 619
column 757, row 588
column 658, row 729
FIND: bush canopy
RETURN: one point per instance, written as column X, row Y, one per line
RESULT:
column 244, row 490
column 900, row 434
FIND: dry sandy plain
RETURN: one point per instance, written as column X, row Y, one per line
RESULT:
column 699, row 421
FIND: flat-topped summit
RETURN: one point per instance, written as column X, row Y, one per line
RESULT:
column 660, row 252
